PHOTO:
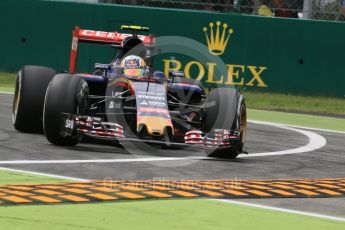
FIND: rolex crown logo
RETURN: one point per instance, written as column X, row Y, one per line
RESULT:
column 217, row 42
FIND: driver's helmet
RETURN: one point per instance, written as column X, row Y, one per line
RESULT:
column 133, row 66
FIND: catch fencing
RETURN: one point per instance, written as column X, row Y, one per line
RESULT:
column 333, row 10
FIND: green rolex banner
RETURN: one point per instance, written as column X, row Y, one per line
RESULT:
column 258, row 53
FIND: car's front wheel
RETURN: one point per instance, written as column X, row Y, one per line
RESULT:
column 67, row 93
column 226, row 109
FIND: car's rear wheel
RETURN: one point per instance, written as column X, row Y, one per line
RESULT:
column 226, row 109
column 67, row 93
column 30, row 89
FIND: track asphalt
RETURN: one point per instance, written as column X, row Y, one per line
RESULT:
column 98, row 162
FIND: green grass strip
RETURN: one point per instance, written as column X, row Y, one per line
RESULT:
column 7, row 82
column 293, row 103
column 337, row 124
column 157, row 214
column 6, row 89
column 10, row 177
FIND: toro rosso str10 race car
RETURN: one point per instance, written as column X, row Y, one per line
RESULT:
column 126, row 100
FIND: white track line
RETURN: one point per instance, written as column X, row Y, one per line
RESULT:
column 3, row 92
column 315, row 142
column 284, row 210
column 128, row 160
column 43, row 174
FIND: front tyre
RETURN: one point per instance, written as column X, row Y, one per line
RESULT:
column 226, row 109
column 67, row 93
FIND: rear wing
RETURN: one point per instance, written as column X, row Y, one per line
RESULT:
column 113, row 39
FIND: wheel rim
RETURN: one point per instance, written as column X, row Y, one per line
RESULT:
column 243, row 123
column 17, row 95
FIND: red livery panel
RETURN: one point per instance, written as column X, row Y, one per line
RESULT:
column 93, row 36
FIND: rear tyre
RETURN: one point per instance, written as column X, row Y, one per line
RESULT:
column 30, row 89
column 226, row 109
column 66, row 93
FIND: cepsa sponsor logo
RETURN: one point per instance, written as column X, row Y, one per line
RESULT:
column 153, row 110
column 107, row 35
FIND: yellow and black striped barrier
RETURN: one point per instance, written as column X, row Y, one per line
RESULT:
column 109, row 190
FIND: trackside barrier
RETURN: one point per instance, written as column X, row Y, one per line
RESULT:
column 260, row 53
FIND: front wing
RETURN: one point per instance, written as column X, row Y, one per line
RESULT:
column 78, row 125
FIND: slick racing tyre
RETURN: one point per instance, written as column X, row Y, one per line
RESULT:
column 30, row 88
column 66, row 93
column 226, row 109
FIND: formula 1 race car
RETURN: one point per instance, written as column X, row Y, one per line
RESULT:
column 127, row 101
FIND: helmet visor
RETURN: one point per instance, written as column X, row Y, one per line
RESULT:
column 134, row 72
